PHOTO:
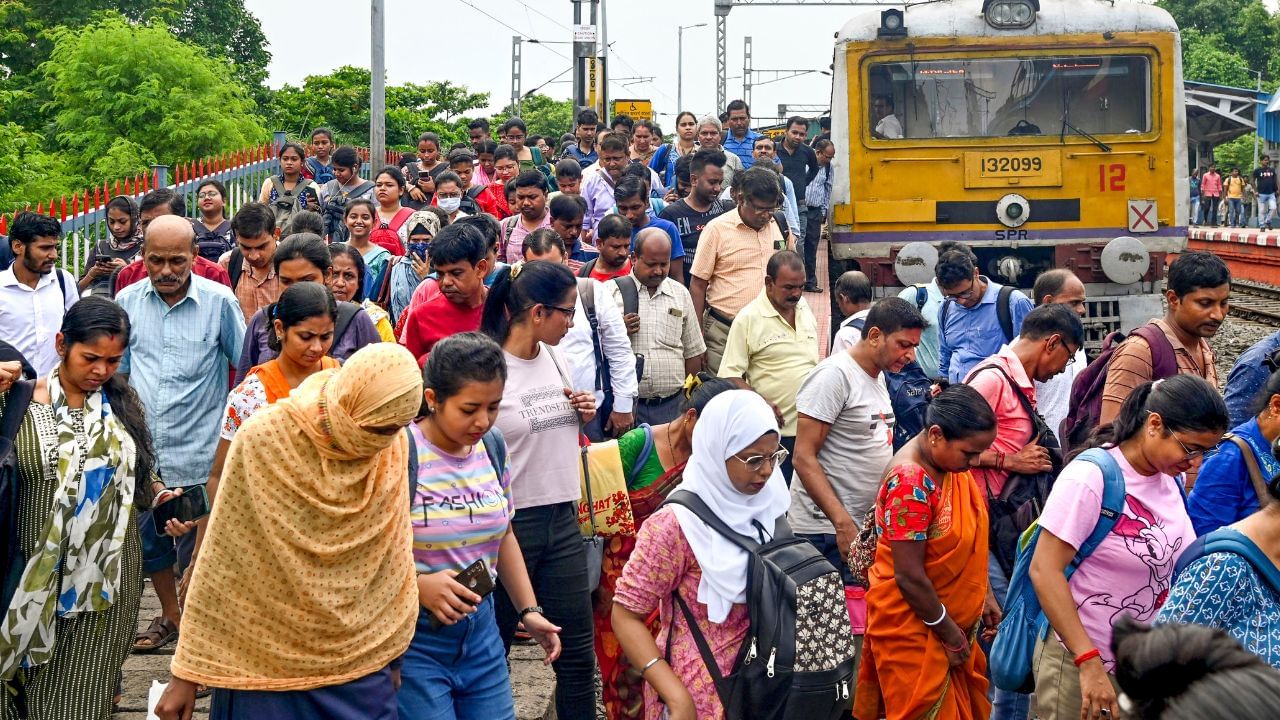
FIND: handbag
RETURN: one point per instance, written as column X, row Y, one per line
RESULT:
column 605, row 507
column 862, row 551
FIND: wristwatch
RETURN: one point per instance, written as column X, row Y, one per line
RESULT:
column 533, row 609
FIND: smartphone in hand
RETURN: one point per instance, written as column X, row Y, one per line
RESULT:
column 190, row 506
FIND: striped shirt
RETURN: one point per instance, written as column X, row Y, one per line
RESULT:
column 460, row 508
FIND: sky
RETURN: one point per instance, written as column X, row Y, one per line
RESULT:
column 424, row 37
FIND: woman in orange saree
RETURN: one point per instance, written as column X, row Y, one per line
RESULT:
column 653, row 460
column 928, row 596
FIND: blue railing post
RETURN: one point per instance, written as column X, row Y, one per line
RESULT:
column 278, row 139
column 161, row 175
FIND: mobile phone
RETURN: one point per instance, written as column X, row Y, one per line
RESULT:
column 191, row 505
column 475, row 577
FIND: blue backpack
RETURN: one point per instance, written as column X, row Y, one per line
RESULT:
column 1024, row 622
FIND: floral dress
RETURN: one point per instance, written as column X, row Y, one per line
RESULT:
column 663, row 563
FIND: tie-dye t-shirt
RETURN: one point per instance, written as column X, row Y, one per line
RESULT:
column 460, row 508
column 1130, row 572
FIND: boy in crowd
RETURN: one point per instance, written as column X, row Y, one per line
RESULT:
column 633, row 204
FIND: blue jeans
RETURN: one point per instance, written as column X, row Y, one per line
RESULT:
column 1235, row 212
column 1006, row 705
column 826, row 544
column 457, row 672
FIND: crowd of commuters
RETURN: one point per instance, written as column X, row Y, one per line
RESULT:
column 392, row 393
column 1229, row 198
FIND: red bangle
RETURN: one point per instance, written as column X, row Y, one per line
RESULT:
column 1085, row 657
column 963, row 645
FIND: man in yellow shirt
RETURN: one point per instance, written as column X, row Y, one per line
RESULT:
column 773, row 342
column 1234, row 191
column 731, row 256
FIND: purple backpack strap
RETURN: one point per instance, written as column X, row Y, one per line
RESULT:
column 1164, row 363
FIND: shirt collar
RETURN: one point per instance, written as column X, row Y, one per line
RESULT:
column 993, row 290
column 1012, row 364
column 8, row 278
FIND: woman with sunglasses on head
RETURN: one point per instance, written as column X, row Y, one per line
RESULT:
column 1163, row 430
column 928, row 589
column 735, row 469
column 528, row 311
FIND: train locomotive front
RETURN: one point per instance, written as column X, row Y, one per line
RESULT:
column 1041, row 136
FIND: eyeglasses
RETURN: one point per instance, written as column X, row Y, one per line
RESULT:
column 966, row 295
column 1193, row 454
column 755, row 463
column 568, row 311
column 208, row 195
column 762, row 210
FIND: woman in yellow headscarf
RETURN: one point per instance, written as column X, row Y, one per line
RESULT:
column 305, row 592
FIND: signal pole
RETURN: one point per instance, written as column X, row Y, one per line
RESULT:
column 377, row 85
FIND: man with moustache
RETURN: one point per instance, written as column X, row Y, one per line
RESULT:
column 663, row 328
column 186, row 332
column 773, row 342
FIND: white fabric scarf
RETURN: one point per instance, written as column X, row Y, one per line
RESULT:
column 732, row 421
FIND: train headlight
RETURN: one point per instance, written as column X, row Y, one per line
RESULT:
column 1010, row 14
column 1013, row 210
column 892, row 24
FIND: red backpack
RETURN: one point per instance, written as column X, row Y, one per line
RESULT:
column 1085, row 408
column 387, row 234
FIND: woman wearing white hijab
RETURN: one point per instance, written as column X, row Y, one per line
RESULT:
column 734, row 469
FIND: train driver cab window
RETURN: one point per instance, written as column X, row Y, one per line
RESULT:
column 996, row 97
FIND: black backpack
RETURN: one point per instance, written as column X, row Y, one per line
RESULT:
column 15, row 408
column 213, row 244
column 797, row 660
column 1023, row 495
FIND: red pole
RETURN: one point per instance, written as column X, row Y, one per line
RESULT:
column 4, row 225
column 63, row 208
column 39, row 208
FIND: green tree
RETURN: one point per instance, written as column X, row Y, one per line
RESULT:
column 1237, row 153
column 222, row 27
column 28, row 174
column 542, row 115
column 340, row 102
column 1206, row 58
column 1243, row 27
column 114, row 79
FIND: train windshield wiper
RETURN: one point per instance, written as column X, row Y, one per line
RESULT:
column 1066, row 125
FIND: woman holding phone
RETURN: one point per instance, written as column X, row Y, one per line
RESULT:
column 86, row 468
column 460, row 507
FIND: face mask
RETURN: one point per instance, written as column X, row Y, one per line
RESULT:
column 449, row 205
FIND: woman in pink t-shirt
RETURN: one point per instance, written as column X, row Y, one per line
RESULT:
column 1164, row 429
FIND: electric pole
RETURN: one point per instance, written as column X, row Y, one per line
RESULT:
column 377, row 85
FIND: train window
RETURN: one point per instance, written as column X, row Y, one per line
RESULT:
column 993, row 97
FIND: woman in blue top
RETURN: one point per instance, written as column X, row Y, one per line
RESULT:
column 1224, row 492
column 1222, row 590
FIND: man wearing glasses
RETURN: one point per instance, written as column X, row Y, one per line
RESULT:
column 729, row 269
column 1050, row 338
column 976, row 316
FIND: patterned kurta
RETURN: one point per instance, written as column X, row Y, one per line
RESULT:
column 1222, row 590
column 80, row 680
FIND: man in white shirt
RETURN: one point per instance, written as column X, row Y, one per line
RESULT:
column 597, row 341
column 34, row 292
column 1053, row 396
column 853, row 293
column 888, row 127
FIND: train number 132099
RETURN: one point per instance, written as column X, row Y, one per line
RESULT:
column 1011, row 165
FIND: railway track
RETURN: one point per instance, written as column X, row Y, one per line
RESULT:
column 1255, row 302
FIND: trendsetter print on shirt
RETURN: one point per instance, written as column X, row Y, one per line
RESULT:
column 546, row 408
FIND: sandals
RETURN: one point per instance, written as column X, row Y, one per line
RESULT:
column 158, row 634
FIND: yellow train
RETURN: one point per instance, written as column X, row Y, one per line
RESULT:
column 1041, row 136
